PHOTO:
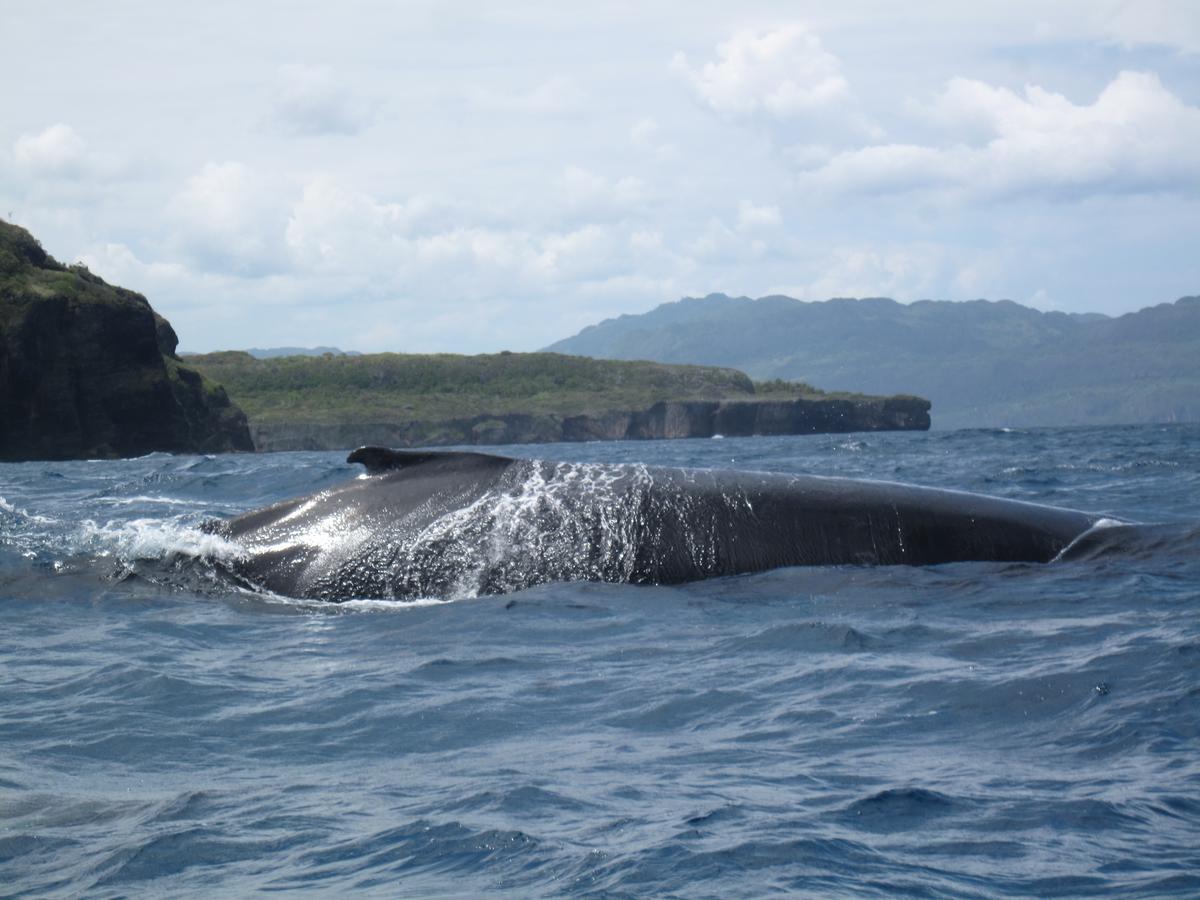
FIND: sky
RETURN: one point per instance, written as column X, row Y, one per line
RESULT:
column 472, row 177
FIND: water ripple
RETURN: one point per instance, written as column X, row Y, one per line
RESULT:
column 958, row 731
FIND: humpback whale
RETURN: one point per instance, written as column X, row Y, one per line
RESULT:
column 454, row 524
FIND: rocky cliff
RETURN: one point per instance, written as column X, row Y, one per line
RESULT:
column 681, row 419
column 89, row 370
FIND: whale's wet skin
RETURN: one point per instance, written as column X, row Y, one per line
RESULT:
column 430, row 524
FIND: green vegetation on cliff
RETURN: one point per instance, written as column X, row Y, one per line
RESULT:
column 331, row 402
column 88, row 369
column 389, row 387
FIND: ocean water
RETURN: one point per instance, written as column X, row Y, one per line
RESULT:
column 963, row 730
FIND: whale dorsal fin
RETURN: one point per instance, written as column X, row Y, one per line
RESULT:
column 383, row 459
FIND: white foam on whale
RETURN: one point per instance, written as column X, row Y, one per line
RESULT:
column 1101, row 524
column 155, row 539
column 476, row 541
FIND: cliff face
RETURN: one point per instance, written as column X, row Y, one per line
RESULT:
column 682, row 419
column 735, row 418
column 89, row 370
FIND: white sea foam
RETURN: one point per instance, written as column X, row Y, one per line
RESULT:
column 145, row 498
column 395, row 605
column 156, row 539
column 9, row 508
column 356, row 604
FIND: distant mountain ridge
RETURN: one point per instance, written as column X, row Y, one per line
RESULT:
column 982, row 363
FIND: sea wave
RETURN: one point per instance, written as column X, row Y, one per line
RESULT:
column 960, row 730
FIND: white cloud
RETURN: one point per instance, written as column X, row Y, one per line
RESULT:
column 644, row 132
column 645, row 135
column 408, row 246
column 807, row 156
column 1137, row 136
column 752, row 237
column 462, row 200
column 980, row 273
column 194, row 302
column 589, row 253
column 1041, row 299
column 751, row 217
column 782, row 72
column 890, row 168
column 718, row 243
column 229, row 217
column 355, row 256
column 555, row 95
column 310, row 100
column 477, row 255
column 56, row 151
column 646, row 240
column 334, row 228
column 630, row 293
column 118, row 264
column 213, row 198
column 597, row 196
column 1174, row 23
column 905, row 272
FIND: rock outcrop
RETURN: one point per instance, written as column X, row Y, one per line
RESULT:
column 671, row 419
column 88, row 370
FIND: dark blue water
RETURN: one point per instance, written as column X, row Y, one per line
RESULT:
column 964, row 730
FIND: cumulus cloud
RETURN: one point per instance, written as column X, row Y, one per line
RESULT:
column 329, row 246
column 229, row 217
column 645, row 134
column 1136, row 137
column 904, row 271
column 720, row 244
column 411, row 246
column 209, row 310
column 555, row 95
column 336, row 228
column 751, row 217
column 781, row 72
column 118, row 264
column 755, row 232
column 311, row 100
column 646, row 239
column 56, row 151
column 589, row 253
column 597, row 196
column 1170, row 22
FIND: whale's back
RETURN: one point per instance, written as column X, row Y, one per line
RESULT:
column 423, row 524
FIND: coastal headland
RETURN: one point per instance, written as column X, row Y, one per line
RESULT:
column 89, row 370
column 334, row 402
